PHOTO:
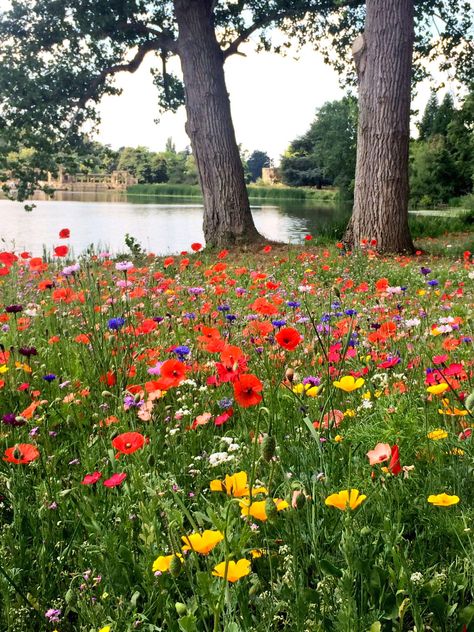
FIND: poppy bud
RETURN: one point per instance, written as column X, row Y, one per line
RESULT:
column 337, row 292
column 137, row 397
column 175, row 566
column 268, row 447
column 106, row 394
column 70, row 597
column 151, row 460
column 270, row 509
column 17, row 453
column 469, row 403
column 298, row 499
column 180, row 608
column 254, row 589
column 290, row 374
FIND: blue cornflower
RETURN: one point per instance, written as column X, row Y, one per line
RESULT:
column 278, row 323
column 116, row 323
column 49, row 377
column 225, row 402
column 293, row 304
column 190, row 315
column 231, row 317
column 223, row 308
column 350, row 312
column 182, row 351
column 433, row 283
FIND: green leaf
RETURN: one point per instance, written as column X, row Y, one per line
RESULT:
column 330, row 569
column 187, row 623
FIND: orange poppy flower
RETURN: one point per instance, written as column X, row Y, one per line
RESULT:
column 21, row 453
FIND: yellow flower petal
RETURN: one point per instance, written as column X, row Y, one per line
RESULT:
column 232, row 571
column 443, row 500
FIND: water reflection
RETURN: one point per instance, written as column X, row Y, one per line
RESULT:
column 161, row 225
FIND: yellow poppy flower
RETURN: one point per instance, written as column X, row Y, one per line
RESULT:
column 257, row 509
column 162, row 563
column 437, row 434
column 346, row 499
column 443, row 500
column 348, row 383
column 106, row 628
column 232, row 571
column 437, row 389
column 202, row 543
column 235, row 485
column 3, row 368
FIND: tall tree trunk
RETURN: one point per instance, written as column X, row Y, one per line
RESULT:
column 227, row 216
column 383, row 58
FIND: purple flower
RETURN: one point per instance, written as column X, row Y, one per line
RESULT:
column 49, row 377
column 425, row 271
column 123, row 266
column 53, row 615
column 433, row 282
column 28, row 351
column 13, row 309
column 10, row 419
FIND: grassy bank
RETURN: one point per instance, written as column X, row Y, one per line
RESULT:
column 255, row 192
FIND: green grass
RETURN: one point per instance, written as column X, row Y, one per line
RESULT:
column 255, row 192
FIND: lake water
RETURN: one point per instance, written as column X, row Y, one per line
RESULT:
column 161, row 225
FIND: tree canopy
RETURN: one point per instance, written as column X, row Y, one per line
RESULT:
column 326, row 153
column 59, row 57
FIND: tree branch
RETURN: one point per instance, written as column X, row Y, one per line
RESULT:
column 163, row 42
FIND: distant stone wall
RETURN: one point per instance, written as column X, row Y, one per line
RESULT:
column 271, row 175
column 115, row 181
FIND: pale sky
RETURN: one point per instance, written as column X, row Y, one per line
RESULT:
column 273, row 101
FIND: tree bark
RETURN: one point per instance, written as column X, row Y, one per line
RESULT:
column 383, row 58
column 227, row 217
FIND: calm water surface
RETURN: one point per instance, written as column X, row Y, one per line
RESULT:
column 161, row 225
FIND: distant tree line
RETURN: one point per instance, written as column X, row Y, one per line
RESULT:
column 151, row 167
column 441, row 158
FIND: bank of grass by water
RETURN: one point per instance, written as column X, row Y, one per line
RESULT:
column 328, row 196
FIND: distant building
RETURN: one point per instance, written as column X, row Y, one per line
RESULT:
column 115, row 181
column 271, row 175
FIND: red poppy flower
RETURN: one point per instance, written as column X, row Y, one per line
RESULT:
column 21, row 453
column 115, row 480
column 64, row 233
column 247, row 390
column 308, row 237
column 61, row 251
column 128, row 442
column 288, row 338
column 91, row 479
column 196, row 247
column 172, row 373
column 394, row 465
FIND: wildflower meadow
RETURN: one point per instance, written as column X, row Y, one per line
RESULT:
column 237, row 442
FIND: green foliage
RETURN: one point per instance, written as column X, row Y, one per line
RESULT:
column 255, row 163
column 442, row 159
column 326, row 154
